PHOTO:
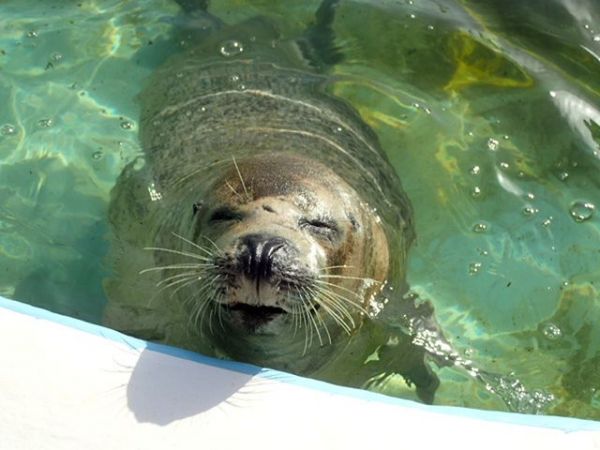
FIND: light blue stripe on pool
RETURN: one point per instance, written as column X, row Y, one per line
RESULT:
column 560, row 423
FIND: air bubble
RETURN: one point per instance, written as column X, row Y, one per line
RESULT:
column 504, row 165
column 476, row 192
column 551, row 331
column 480, row 227
column 32, row 34
column 97, row 155
column 45, row 123
column 475, row 268
column 475, row 170
column 8, row 130
column 493, row 144
column 56, row 57
column 547, row 222
column 529, row 211
column 582, row 211
column 597, row 38
column 563, row 176
column 231, row 48
column 126, row 125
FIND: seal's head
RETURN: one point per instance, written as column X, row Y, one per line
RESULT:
column 289, row 252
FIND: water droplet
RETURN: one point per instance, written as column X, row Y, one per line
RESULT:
column 597, row 38
column 430, row 27
column 8, row 129
column 231, row 48
column 235, row 78
column 476, row 192
column 337, row 129
column 126, row 125
column 529, row 211
column 480, row 227
column 563, row 176
column 474, row 268
column 504, row 165
column 530, row 195
column 493, row 144
column 203, row 108
column 551, row 331
column 412, row 16
column 32, row 34
column 475, row 170
column 45, row 123
column 241, row 87
column 506, row 137
column 97, row 155
column 582, row 211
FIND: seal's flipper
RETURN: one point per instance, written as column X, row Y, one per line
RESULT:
column 317, row 44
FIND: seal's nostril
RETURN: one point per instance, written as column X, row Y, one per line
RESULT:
column 257, row 255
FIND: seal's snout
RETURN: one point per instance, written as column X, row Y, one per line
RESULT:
column 258, row 255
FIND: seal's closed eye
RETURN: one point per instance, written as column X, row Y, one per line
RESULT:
column 225, row 214
column 322, row 227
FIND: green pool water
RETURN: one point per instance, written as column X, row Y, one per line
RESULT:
column 488, row 110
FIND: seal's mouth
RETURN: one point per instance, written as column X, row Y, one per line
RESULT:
column 256, row 310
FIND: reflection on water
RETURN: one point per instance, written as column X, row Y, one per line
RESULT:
column 490, row 112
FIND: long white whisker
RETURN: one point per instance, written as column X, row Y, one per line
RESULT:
column 199, row 247
column 176, row 267
column 178, row 252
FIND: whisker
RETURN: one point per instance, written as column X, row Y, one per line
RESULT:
column 213, row 244
column 339, row 302
column 178, row 252
column 345, row 277
column 318, row 316
column 336, row 315
column 343, row 266
column 176, row 267
column 241, row 178
column 173, row 277
column 342, row 288
column 199, row 247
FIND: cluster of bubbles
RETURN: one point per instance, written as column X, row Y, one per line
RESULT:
column 516, row 396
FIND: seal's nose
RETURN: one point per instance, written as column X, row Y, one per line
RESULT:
column 257, row 255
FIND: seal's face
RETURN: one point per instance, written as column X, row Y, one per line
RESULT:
column 293, row 248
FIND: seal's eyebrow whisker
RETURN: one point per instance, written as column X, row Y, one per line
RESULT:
column 246, row 193
column 241, row 197
column 178, row 252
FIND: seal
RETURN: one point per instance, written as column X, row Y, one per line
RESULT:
column 264, row 222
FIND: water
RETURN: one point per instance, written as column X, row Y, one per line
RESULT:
column 489, row 111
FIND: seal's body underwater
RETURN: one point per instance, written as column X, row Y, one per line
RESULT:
column 267, row 222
